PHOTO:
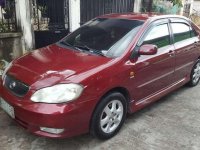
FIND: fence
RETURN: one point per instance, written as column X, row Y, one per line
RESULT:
column 8, row 21
column 94, row 8
column 50, row 14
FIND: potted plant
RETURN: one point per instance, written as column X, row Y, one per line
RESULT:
column 3, row 27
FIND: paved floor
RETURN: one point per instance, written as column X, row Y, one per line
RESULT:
column 172, row 123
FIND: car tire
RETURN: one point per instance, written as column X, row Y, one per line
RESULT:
column 195, row 75
column 109, row 116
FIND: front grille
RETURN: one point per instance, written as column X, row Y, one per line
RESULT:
column 15, row 86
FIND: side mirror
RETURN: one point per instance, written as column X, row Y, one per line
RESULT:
column 148, row 49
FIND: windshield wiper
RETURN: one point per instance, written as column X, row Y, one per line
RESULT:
column 99, row 52
column 85, row 47
column 67, row 44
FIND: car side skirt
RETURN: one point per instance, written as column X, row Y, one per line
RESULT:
column 137, row 105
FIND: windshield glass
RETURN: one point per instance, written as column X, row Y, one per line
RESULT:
column 101, row 34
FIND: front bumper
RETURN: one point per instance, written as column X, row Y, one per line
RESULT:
column 73, row 117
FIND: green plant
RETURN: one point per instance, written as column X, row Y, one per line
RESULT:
column 177, row 2
column 162, row 6
column 3, row 27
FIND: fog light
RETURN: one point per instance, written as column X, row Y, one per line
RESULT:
column 52, row 130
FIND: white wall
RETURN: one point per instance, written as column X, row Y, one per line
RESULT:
column 74, row 14
column 187, row 1
column 196, row 5
column 137, row 5
column 24, row 22
column 0, row 13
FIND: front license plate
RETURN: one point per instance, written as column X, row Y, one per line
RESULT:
column 7, row 108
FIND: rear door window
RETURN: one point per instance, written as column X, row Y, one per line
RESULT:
column 181, row 31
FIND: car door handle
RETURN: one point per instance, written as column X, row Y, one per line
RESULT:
column 171, row 53
column 196, row 43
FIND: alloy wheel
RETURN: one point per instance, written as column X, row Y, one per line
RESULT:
column 196, row 73
column 111, row 116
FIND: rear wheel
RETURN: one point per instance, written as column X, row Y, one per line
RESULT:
column 195, row 75
column 109, row 116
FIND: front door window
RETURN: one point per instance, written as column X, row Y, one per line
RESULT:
column 158, row 36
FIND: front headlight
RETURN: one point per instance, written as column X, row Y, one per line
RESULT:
column 58, row 94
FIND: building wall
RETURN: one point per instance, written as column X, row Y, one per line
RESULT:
column 10, row 48
column 0, row 14
column 11, row 44
column 23, row 13
column 137, row 6
column 74, row 14
column 196, row 5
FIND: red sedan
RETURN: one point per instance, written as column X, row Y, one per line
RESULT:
column 112, row 65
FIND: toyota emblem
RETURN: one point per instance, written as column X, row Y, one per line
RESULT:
column 12, row 85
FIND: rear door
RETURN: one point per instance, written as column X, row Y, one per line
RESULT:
column 186, row 47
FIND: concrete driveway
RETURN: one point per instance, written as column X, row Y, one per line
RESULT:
column 173, row 123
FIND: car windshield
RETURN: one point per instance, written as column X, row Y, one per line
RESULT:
column 100, row 36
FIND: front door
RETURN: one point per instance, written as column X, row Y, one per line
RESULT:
column 155, row 72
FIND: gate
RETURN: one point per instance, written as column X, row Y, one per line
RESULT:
column 50, row 21
column 94, row 8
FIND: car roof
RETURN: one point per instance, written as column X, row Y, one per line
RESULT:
column 140, row 16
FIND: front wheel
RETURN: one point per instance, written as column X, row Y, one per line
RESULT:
column 195, row 75
column 109, row 116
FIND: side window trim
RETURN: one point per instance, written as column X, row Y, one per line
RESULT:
column 193, row 30
column 181, row 21
column 153, row 24
column 171, row 33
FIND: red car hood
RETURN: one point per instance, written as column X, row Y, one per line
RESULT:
column 53, row 64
